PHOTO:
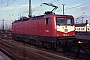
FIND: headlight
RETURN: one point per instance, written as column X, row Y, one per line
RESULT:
column 57, row 35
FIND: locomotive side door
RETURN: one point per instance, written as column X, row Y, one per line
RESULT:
column 47, row 28
column 40, row 28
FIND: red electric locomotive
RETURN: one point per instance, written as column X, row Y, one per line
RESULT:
column 50, row 30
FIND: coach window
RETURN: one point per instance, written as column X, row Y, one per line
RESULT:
column 83, row 28
column 88, row 28
column 47, row 21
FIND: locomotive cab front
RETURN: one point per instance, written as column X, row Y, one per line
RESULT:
column 65, row 26
column 65, row 31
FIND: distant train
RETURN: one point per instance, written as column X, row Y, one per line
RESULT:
column 49, row 30
column 82, row 31
column 83, row 27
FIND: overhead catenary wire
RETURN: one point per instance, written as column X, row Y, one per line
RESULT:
column 59, row 9
column 1, row 1
column 52, row 2
column 76, row 2
column 8, row 4
column 69, row 4
column 77, row 6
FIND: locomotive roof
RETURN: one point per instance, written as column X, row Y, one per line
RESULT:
column 31, row 18
column 37, row 17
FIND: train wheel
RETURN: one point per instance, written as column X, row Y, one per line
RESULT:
column 48, row 45
column 58, row 48
column 32, row 42
column 66, row 47
column 14, row 38
column 40, row 44
column 53, row 46
column 44, row 44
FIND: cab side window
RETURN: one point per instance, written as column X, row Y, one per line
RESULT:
column 47, row 21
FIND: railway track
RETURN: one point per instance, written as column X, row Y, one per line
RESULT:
column 26, row 48
column 20, row 52
column 25, row 51
column 28, row 52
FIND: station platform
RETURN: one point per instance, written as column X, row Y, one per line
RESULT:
column 4, row 57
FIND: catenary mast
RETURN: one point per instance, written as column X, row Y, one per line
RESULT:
column 30, row 11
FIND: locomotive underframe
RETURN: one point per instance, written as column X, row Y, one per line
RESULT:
column 50, row 42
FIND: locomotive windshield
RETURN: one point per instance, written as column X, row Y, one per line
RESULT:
column 64, row 21
column 69, row 21
column 60, row 21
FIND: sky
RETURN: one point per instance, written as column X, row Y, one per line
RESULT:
column 11, row 10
